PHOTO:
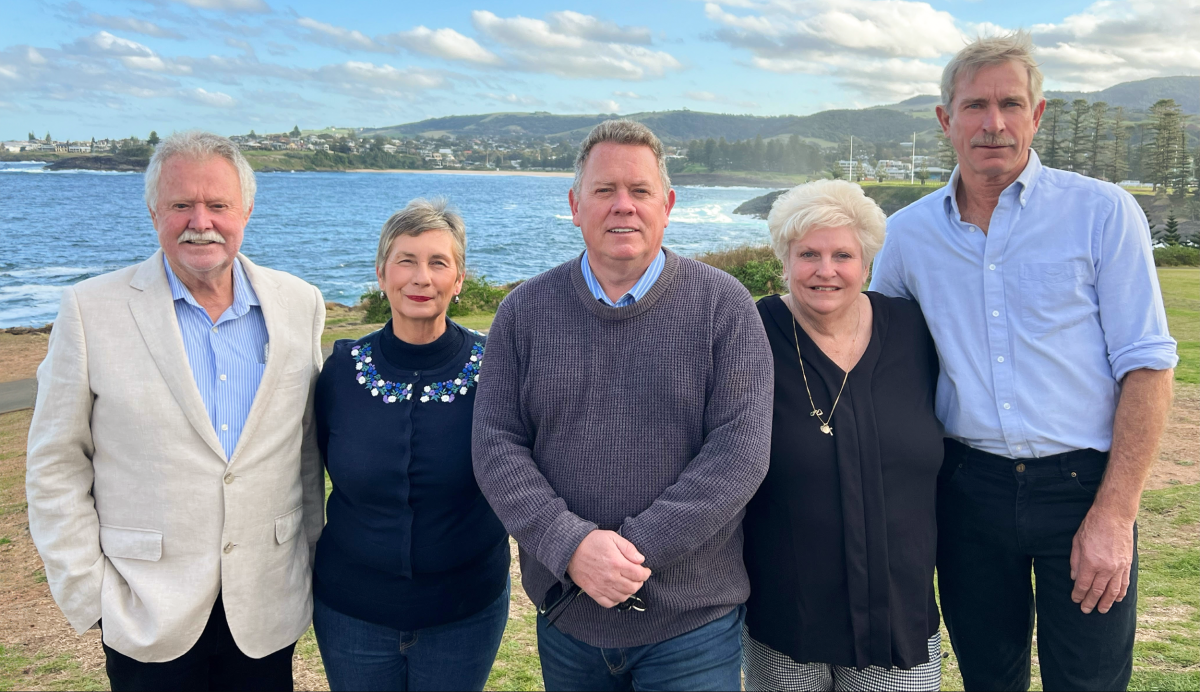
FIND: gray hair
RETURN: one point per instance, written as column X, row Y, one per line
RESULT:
column 825, row 204
column 197, row 144
column 993, row 50
column 419, row 216
column 621, row 132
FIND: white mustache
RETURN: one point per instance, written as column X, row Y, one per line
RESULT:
column 190, row 236
column 992, row 140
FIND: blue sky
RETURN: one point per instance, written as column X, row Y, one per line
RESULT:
column 120, row 67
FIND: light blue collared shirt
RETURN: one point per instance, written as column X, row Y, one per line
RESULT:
column 1037, row 321
column 227, row 357
column 640, row 289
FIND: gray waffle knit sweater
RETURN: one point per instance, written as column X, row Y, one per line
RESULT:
column 653, row 420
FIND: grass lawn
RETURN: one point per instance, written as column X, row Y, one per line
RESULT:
column 1166, row 654
column 1181, row 296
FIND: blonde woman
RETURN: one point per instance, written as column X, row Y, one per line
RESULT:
column 841, row 537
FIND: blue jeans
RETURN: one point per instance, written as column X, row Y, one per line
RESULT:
column 362, row 655
column 707, row 658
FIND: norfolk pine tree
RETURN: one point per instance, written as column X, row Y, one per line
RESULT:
column 1078, row 144
column 1049, row 132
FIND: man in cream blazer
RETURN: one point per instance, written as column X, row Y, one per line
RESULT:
column 175, row 488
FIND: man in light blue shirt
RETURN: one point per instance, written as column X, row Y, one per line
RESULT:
column 1039, row 288
column 633, row 295
column 226, row 356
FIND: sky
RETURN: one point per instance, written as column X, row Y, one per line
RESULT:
column 114, row 68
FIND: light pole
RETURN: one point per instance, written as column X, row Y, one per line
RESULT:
column 912, row 172
column 851, row 158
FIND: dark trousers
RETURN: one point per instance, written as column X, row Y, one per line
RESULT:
column 998, row 518
column 214, row 663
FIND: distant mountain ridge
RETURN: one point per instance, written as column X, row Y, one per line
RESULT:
column 876, row 125
column 1139, row 95
column 888, row 123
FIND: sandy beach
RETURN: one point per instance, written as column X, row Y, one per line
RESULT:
column 444, row 171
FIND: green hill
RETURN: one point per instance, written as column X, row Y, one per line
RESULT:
column 874, row 125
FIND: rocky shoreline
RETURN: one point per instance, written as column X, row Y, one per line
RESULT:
column 118, row 164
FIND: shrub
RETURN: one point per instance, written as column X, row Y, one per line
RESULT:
column 1176, row 256
column 478, row 295
column 755, row 266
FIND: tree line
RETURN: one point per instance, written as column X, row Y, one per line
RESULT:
column 790, row 156
column 1098, row 141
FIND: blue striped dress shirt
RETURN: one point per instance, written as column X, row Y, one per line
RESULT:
column 227, row 357
column 641, row 288
column 1037, row 320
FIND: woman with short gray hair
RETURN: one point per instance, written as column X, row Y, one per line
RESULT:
column 410, row 582
column 840, row 538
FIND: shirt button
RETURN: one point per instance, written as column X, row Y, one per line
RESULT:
column 999, row 359
column 222, row 378
column 992, row 267
column 1020, row 468
column 214, row 330
column 228, row 478
column 224, row 427
column 1008, row 406
column 995, row 313
column 228, row 548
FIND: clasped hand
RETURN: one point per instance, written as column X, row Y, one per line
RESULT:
column 607, row 567
column 1101, row 558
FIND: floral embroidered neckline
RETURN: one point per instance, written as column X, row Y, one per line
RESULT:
column 391, row 392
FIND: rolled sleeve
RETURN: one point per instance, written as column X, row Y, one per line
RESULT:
column 1131, row 305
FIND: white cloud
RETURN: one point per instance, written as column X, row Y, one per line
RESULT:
column 368, row 80
column 513, row 99
column 881, row 48
column 603, row 105
column 129, row 24
column 227, row 5
column 338, row 37
column 576, row 46
column 447, row 44
column 216, row 99
column 710, row 97
column 1119, row 41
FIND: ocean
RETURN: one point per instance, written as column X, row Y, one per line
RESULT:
column 59, row 228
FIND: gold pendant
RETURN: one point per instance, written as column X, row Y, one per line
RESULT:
column 816, row 412
column 826, row 429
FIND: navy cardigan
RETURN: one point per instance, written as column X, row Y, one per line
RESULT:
column 410, row 540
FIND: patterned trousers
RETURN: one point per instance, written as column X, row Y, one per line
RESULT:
column 767, row 669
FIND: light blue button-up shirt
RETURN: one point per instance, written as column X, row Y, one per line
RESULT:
column 1037, row 320
column 227, row 357
column 640, row 289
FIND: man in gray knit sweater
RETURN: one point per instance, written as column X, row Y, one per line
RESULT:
column 622, row 423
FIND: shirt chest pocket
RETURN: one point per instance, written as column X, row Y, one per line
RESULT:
column 1055, row 295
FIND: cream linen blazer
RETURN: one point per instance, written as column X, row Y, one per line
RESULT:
column 132, row 506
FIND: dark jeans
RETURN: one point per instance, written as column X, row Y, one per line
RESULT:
column 213, row 663
column 997, row 518
column 362, row 655
column 707, row 658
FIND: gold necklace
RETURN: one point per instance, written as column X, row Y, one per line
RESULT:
column 825, row 424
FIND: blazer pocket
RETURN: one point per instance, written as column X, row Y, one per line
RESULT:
column 131, row 544
column 288, row 525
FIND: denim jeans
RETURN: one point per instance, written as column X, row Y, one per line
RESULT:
column 362, row 655
column 998, row 520
column 707, row 658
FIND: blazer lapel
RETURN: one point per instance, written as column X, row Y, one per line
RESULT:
column 154, row 312
column 274, row 306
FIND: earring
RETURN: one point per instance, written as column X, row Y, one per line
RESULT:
column 455, row 299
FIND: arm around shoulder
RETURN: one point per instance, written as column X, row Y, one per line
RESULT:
column 59, row 473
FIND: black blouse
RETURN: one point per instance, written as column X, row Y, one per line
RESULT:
column 410, row 541
column 842, row 535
